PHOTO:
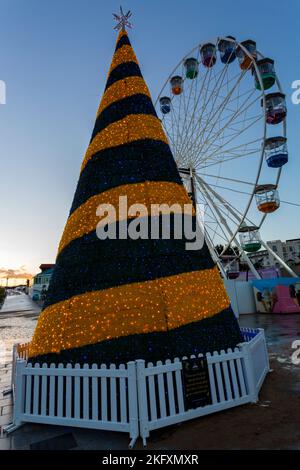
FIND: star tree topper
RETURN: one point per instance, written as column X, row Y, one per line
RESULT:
column 123, row 20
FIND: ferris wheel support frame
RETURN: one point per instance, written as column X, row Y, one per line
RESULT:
column 280, row 260
column 206, row 235
column 228, row 207
column 223, row 220
column 223, row 201
column 214, row 256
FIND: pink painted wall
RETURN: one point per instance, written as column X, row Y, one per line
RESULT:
column 285, row 304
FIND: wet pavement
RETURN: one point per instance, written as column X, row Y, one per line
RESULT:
column 18, row 325
column 18, row 318
column 280, row 330
column 18, row 304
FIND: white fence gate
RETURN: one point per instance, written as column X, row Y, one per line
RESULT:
column 135, row 398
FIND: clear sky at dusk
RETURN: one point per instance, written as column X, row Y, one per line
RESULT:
column 54, row 57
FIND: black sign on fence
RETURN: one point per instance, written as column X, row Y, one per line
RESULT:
column 196, row 382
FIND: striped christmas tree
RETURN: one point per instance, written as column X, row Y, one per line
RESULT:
column 115, row 300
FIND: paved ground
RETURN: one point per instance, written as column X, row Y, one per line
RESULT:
column 18, row 304
column 272, row 423
column 17, row 321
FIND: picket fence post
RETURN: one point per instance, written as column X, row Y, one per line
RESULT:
column 133, row 404
column 13, row 369
column 249, row 371
column 20, row 391
column 142, row 400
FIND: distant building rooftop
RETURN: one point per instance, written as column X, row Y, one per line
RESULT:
column 44, row 267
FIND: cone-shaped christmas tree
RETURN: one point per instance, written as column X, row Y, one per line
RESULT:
column 115, row 300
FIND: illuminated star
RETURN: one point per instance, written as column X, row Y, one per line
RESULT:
column 122, row 20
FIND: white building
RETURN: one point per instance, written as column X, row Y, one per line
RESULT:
column 41, row 281
column 288, row 251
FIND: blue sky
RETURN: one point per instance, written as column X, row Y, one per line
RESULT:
column 54, row 58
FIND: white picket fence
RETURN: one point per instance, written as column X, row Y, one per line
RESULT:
column 20, row 351
column 87, row 397
column 235, row 379
column 256, row 349
column 135, row 398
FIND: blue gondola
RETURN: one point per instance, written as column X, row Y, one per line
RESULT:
column 226, row 48
column 165, row 104
column 276, row 152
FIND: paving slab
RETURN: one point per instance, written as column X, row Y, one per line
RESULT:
column 6, row 410
column 5, row 402
column 5, row 419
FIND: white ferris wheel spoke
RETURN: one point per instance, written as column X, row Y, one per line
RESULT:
column 181, row 154
column 232, row 138
column 220, row 219
column 235, row 157
column 206, row 100
column 203, row 94
column 217, row 112
column 218, row 133
column 192, row 86
column 229, row 179
column 229, row 206
column 238, row 191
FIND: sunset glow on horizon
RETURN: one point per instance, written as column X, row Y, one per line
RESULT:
column 15, row 277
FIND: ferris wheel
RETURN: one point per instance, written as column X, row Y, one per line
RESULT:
column 224, row 112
